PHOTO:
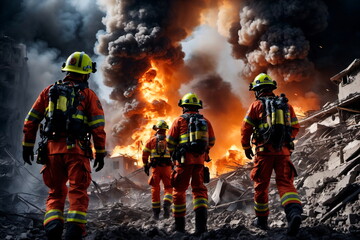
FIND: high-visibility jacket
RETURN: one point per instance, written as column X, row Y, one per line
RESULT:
column 179, row 133
column 150, row 150
column 89, row 110
column 255, row 118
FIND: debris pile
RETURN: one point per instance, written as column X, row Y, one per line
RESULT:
column 326, row 158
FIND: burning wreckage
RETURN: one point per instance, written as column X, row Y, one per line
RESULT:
column 326, row 157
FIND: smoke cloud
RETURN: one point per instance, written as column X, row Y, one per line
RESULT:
column 137, row 34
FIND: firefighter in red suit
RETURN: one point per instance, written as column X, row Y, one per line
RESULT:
column 189, row 163
column 70, row 121
column 271, row 154
column 160, row 161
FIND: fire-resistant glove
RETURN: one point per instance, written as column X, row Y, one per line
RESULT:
column 28, row 154
column 249, row 153
column 99, row 161
column 147, row 169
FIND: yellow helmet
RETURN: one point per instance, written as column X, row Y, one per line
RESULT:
column 161, row 124
column 190, row 99
column 79, row 62
column 262, row 80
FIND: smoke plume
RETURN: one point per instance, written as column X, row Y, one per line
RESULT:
column 139, row 33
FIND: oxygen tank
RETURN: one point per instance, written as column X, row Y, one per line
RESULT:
column 192, row 130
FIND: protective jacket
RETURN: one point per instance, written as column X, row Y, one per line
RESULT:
column 268, row 159
column 161, row 171
column 178, row 134
column 67, row 164
column 89, row 110
column 191, row 171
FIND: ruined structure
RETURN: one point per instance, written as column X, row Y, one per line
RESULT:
column 13, row 81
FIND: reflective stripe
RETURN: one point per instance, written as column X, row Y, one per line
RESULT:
column 249, row 120
column 154, row 154
column 34, row 115
column 200, row 202
column 100, row 150
column 184, row 138
column 261, row 207
column 96, row 122
column 171, row 140
column 76, row 216
column 179, row 208
column 155, row 204
column 294, row 121
column 290, row 196
column 246, row 147
column 53, row 214
column 168, row 197
column 27, row 144
column 146, row 149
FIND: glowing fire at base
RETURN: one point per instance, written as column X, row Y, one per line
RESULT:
column 233, row 159
column 152, row 87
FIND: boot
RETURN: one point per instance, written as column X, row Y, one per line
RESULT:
column 156, row 212
column 200, row 221
column 167, row 205
column 261, row 222
column 73, row 231
column 293, row 215
column 180, row 224
column 54, row 229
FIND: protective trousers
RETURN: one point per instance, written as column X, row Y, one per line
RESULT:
column 61, row 168
column 261, row 173
column 160, row 173
column 180, row 181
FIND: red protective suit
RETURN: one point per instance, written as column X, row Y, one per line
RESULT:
column 192, row 169
column 267, row 159
column 67, row 164
column 161, row 171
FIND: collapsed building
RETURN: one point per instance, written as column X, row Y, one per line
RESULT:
column 327, row 162
column 14, row 77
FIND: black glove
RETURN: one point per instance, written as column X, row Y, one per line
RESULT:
column 99, row 161
column 249, row 153
column 147, row 169
column 28, row 154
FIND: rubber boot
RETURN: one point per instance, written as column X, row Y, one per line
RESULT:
column 293, row 215
column 180, row 224
column 200, row 221
column 156, row 213
column 261, row 222
column 74, row 231
column 54, row 229
column 167, row 205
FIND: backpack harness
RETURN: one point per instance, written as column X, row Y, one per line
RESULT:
column 275, row 125
column 196, row 140
column 63, row 119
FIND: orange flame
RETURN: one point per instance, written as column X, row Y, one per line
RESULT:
column 152, row 87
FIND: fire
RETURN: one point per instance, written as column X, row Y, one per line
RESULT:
column 233, row 158
column 152, row 88
column 300, row 113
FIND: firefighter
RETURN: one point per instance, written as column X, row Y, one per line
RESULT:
column 70, row 121
column 266, row 123
column 156, row 149
column 189, row 156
